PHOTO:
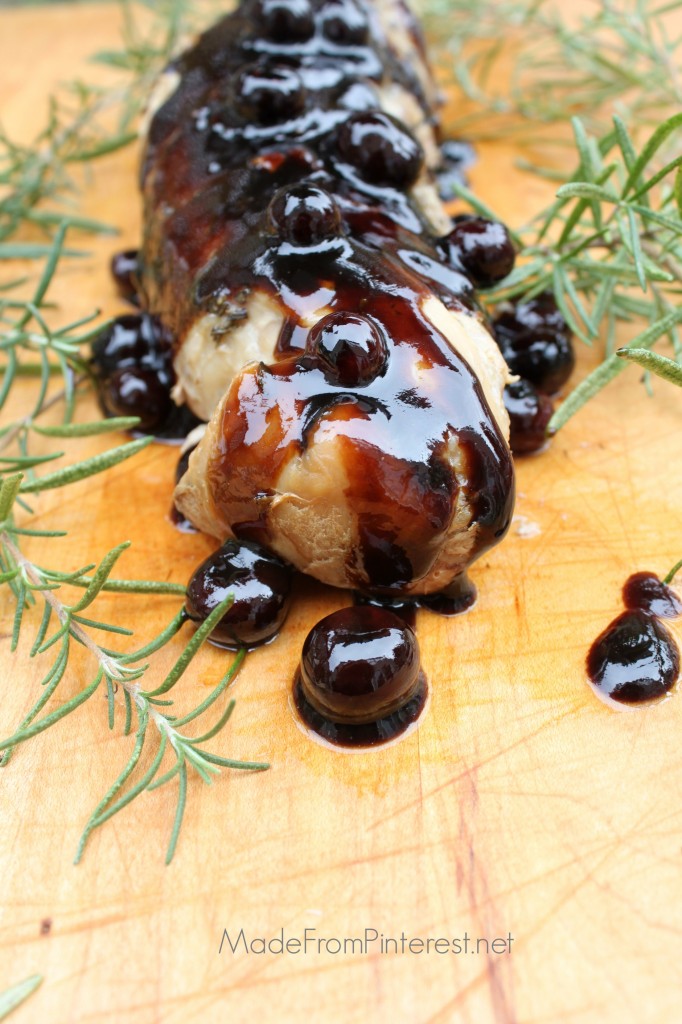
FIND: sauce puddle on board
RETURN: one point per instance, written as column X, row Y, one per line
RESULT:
column 636, row 661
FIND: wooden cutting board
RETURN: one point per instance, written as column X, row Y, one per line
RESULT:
column 522, row 805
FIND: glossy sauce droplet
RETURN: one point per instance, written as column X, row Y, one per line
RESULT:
column 132, row 361
column 261, row 585
column 360, row 682
column 287, row 21
column 457, row 598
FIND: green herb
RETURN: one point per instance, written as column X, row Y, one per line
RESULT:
column 528, row 65
column 13, row 997
column 609, row 248
column 39, row 188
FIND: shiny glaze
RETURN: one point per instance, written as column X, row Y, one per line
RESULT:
column 274, row 102
column 636, row 660
column 360, row 682
column 261, row 585
column 177, row 518
column 459, row 597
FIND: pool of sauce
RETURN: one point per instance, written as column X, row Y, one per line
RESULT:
column 636, row 660
column 459, row 597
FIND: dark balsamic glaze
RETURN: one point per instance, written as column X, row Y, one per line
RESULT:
column 636, row 660
column 276, row 125
column 459, row 597
column 178, row 518
column 261, row 585
column 404, row 607
column 360, row 683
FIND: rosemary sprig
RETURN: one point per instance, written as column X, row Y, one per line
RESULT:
column 84, row 124
column 532, row 63
column 17, row 994
column 116, row 670
column 610, row 246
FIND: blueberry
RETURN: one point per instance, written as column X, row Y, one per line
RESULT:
column 136, row 391
column 359, row 664
column 305, row 214
column 269, row 94
column 536, row 342
column 351, row 348
column 344, row 23
column 529, row 414
column 260, row 583
column 482, row 248
column 126, row 341
column 286, row 21
column 125, row 269
column 381, row 148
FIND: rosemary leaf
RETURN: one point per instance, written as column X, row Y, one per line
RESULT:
column 17, row 994
column 663, row 367
column 88, row 467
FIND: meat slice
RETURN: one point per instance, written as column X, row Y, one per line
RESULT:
column 322, row 300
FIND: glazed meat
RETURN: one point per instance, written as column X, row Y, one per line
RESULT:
column 322, row 302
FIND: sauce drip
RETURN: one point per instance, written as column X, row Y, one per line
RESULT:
column 636, row 660
column 459, row 597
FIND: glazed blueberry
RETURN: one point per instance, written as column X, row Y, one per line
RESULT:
column 540, row 313
column 286, row 21
column 269, row 94
column 359, row 664
column 136, row 391
column 260, row 583
column 456, row 157
column 125, row 342
column 529, row 414
column 482, row 248
column 344, row 23
column 535, row 341
column 305, row 214
column 125, row 267
column 381, row 148
column 350, row 347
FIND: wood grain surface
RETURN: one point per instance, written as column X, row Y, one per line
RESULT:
column 522, row 805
